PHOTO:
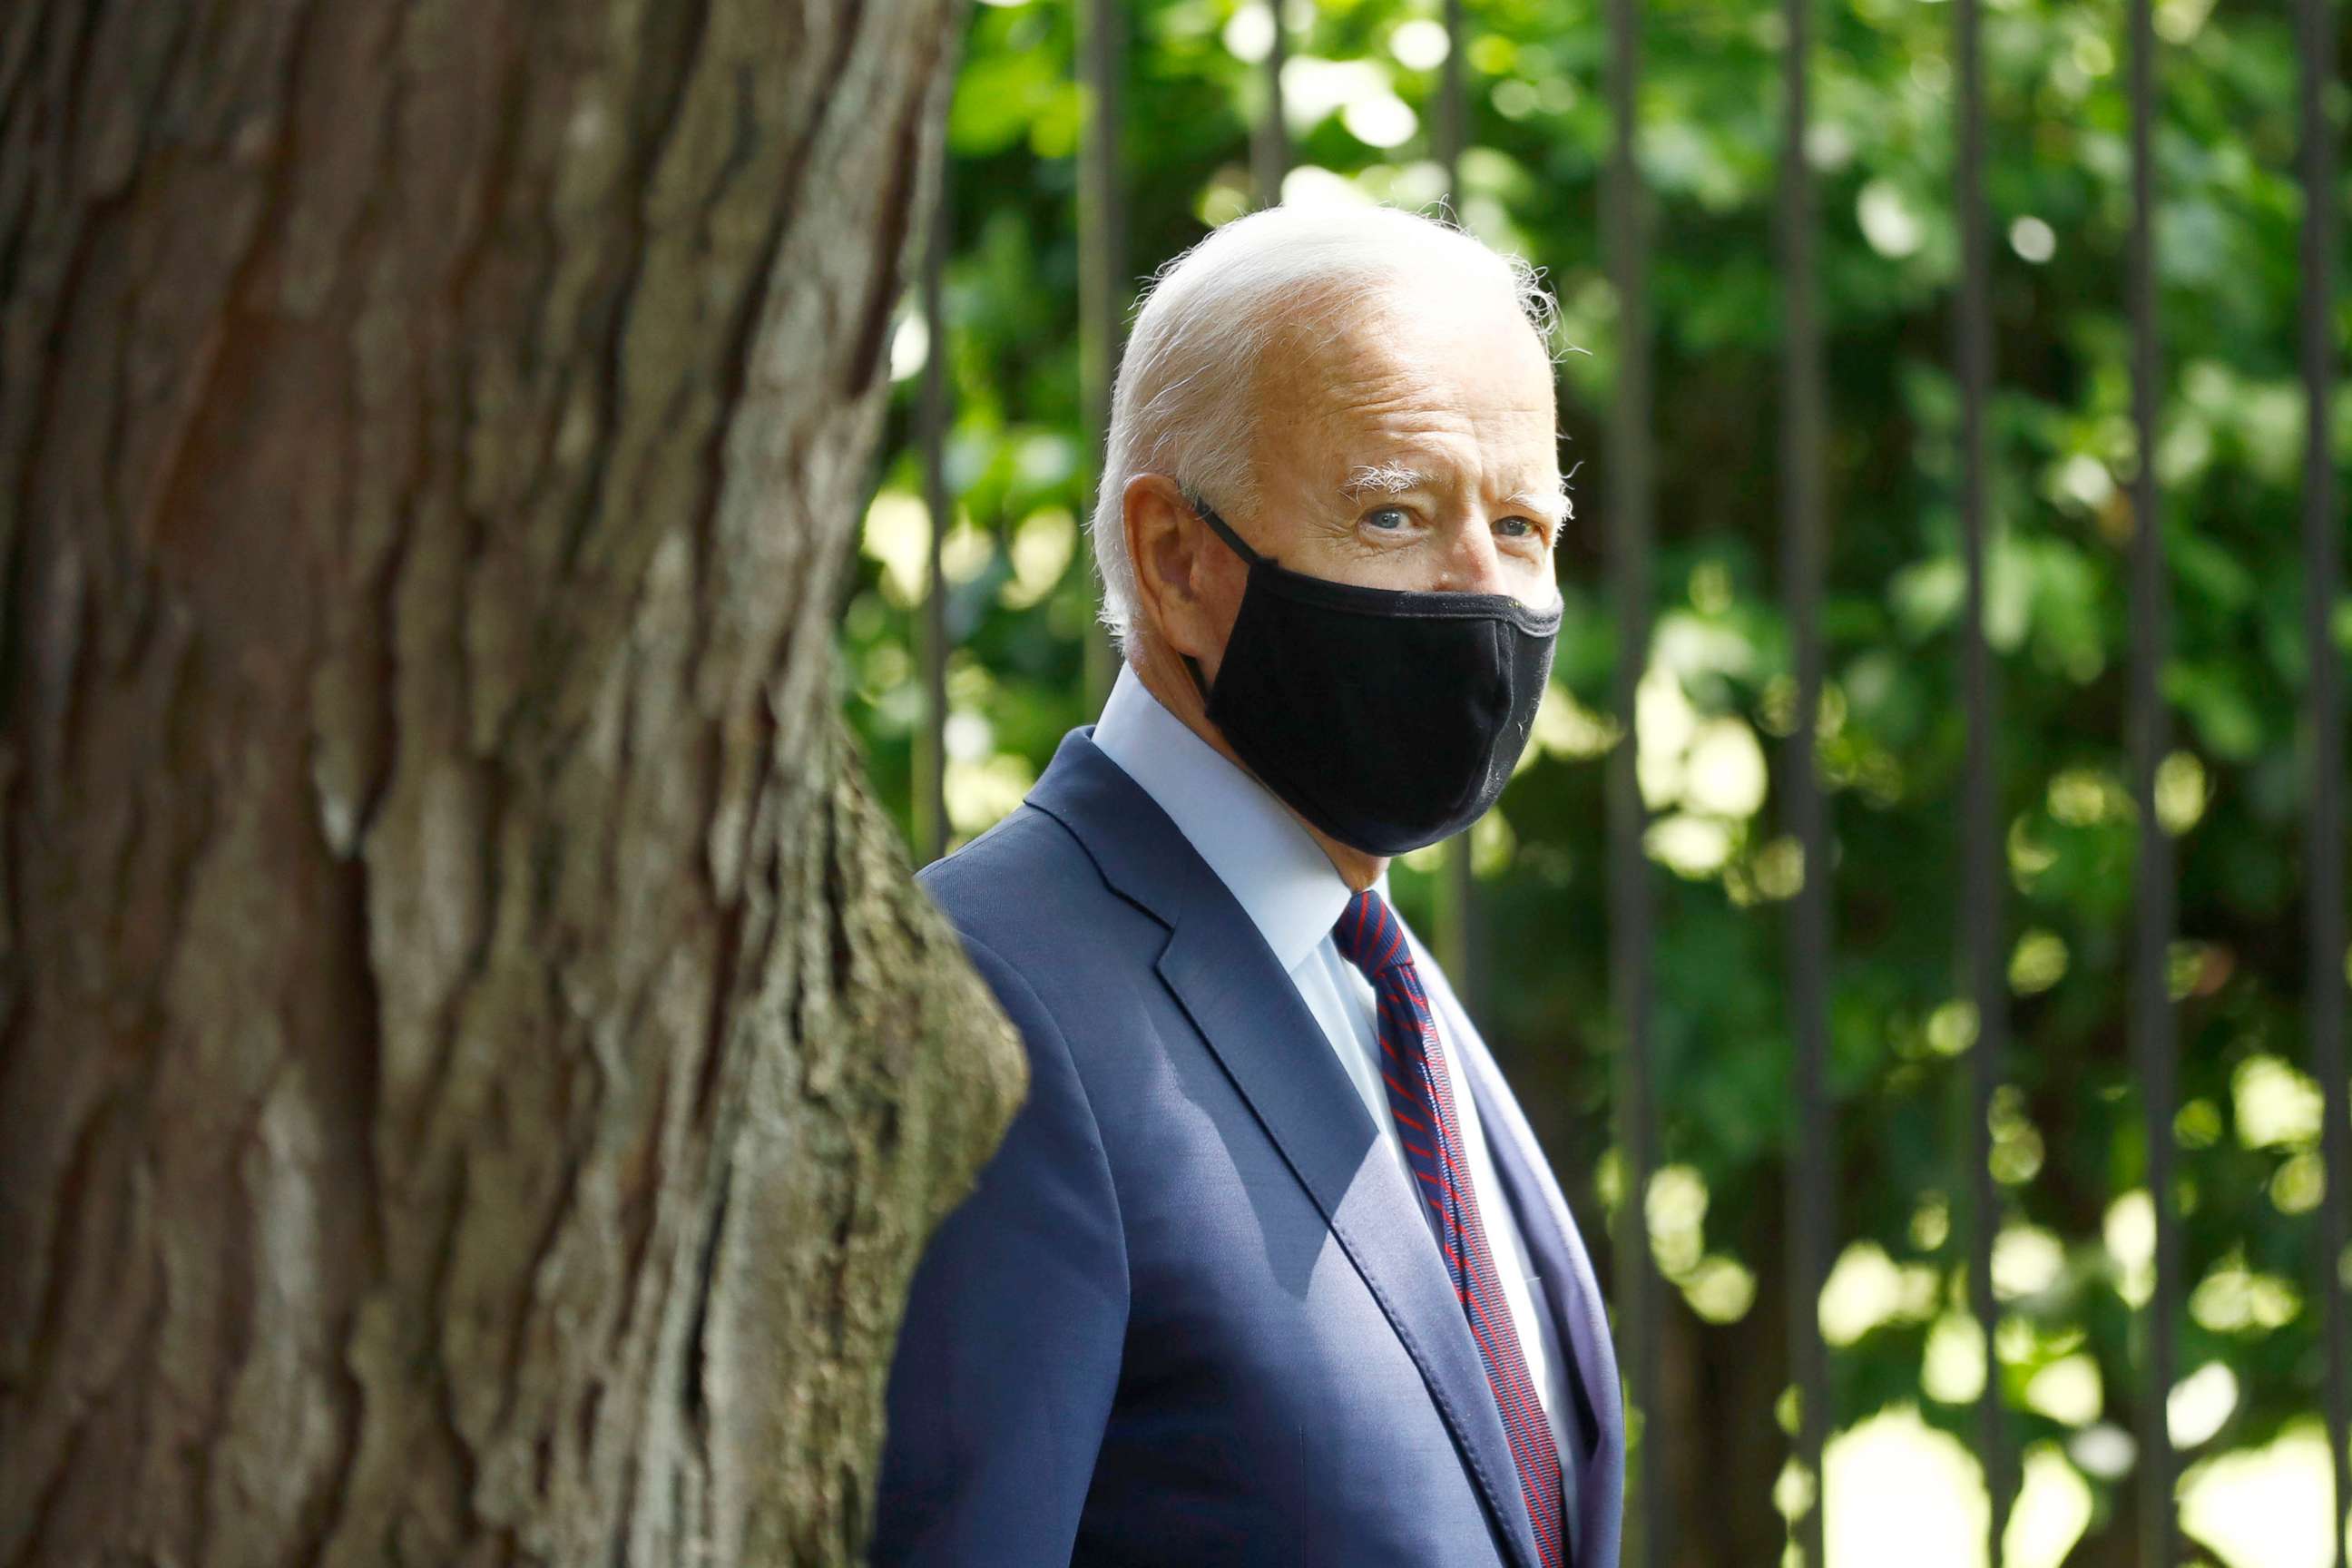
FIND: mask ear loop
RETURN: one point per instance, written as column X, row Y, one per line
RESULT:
column 1240, row 547
column 1224, row 530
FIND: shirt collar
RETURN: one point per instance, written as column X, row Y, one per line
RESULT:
column 1270, row 864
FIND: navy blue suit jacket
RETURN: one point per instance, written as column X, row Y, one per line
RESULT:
column 1190, row 1314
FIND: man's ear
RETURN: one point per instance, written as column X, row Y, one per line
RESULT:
column 1165, row 543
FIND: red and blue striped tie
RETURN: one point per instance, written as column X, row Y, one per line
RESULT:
column 1421, row 1099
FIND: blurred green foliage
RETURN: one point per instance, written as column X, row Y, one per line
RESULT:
column 1719, row 695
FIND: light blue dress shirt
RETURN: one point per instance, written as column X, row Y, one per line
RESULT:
column 1292, row 894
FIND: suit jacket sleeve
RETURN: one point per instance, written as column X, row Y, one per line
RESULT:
column 1009, row 1350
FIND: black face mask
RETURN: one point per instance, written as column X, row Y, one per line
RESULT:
column 1388, row 719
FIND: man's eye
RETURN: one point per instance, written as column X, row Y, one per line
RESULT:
column 1387, row 518
column 1517, row 527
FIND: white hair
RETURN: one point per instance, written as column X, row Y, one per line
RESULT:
column 1183, row 402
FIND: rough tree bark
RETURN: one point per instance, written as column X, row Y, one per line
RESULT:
column 474, row 1073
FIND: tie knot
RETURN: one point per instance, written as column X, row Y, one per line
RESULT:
column 1370, row 937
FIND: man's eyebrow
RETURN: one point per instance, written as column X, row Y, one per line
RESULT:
column 1385, row 478
column 1551, row 501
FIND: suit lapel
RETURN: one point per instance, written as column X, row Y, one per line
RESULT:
column 1238, row 996
column 1250, row 1014
column 1569, row 1286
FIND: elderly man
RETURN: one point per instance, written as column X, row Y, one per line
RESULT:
column 1269, row 1267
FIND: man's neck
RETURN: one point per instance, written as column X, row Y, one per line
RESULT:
column 1161, row 670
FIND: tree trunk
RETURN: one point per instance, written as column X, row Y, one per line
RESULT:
column 474, row 1076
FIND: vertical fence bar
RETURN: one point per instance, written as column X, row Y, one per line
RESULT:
column 1458, row 946
column 2151, row 1009
column 2321, row 580
column 1803, row 565
column 1453, row 118
column 931, row 632
column 1270, row 156
column 1625, row 235
column 1102, row 259
column 1980, row 848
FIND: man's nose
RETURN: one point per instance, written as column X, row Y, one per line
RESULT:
column 1471, row 562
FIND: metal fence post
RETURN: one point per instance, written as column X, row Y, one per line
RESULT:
column 1981, row 850
column 2322, row 581
column 1270, row 150
column 931, row 632
column 2151, row 1003
column 1626, row 239
column 1102, row 261
column 1803, row 555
